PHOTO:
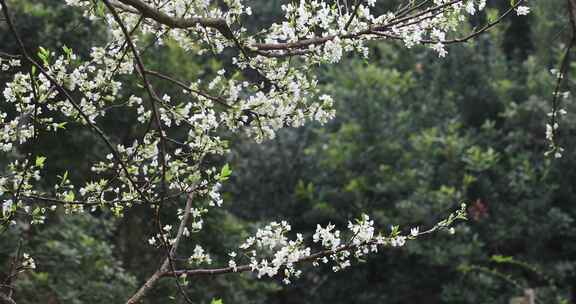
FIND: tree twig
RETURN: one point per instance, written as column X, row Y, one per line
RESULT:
column 4, row 299
column 166, row 264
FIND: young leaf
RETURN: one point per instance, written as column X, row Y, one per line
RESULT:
column 40, row 161
column 69, row 196
column 225, row 173
column 64, row 178
column 44, row 55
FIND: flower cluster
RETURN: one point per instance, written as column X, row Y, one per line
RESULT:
column 271, row 253
column 280, row 253
column 28, row 262
column 199, row 256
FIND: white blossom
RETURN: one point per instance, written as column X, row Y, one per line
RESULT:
column 200, row 256
column 414, row 231
column 28, row 261
column 522, row 10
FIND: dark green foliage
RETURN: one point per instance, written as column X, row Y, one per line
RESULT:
column 75, row 259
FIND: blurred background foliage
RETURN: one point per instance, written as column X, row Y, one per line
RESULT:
column 414, row 137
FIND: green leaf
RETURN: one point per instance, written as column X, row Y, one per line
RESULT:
column 225, row 173
column 501, row 258
column 394, row 230
column 64, row 178
column 68, row 52
column 101, row 9
column 61, row 125
column 216, row 301
column 44, row 55
column 463, row 268
column 492, row 15
column 40, row 161
column 69, row 196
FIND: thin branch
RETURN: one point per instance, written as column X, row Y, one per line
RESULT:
column 354, row 14
column 124, row 7
column 185, row 87
column 166, row 264
column 247, row 267
column 467, row 37
column 53, row 200
column 409, row 9
column 320, row 40
column 163, row 149
column 4, row 299
column 221, row 25
column 153, row 96
column 3, row 54
column 182, row 23
column 14, row 268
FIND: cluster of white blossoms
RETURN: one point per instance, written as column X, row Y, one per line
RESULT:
column 272, row 253
column 28, row 262
column 522, row 10
column 19, row 178
column 269, row 84
column 199, row 256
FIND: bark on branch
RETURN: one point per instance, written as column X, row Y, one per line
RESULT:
column 149, row 284
column 4, row 299
column 221, row 25
column 247, row 267
column 182, row 23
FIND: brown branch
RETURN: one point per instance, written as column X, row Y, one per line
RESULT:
column 409, row 9
column 298, row 44
column 185, row 87
column 166, row 264
column 156, row 116
column 465, row 38
column 354, row 13
column 124, row 7
column 298, row 47
column 152, row 94
column 182, row 23
column 312, row 257
column 54, row 200
column 4, row 299
column 572, row 15
column 221, row 25
column 14, row 269
column 163, row 149
column 287, row 53
column 486, row 27
column 246, row 268
column 3, row 54
column 320, row 40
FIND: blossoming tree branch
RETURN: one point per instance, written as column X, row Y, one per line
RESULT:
column 272, row 85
